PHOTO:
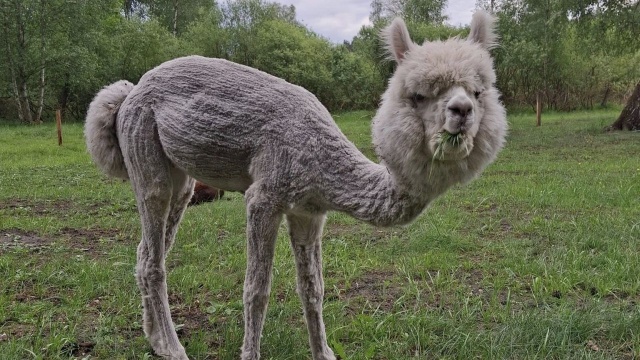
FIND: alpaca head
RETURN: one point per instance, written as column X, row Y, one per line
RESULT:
column 441, row 104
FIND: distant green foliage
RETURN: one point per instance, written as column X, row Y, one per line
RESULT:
column 291, row 52
column 573, row 54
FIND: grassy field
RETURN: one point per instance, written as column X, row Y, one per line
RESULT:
column 537, row 259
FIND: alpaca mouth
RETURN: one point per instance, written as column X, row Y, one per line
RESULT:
column 449, row 147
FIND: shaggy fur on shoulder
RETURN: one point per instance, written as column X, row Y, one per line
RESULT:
column 239, row 129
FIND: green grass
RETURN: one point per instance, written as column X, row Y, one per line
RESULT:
column 537, row 259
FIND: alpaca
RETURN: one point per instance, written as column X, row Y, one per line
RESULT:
column 239, row 129
column 203, row 193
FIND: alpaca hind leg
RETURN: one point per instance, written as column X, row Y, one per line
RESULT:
column 263, row 220
column 151, row 277
column 306, row 233
column 180, row 197
column 153, row 184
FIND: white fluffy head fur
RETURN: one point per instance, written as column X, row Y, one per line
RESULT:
column 482, row 30
column 397, row 40
column 440, row 87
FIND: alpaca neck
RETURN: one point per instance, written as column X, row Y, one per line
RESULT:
column 372, row 193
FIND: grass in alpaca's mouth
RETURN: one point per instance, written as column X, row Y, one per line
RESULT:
column 451, row 139
column 448, row 139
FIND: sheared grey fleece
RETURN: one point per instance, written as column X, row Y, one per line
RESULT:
column 239, row 129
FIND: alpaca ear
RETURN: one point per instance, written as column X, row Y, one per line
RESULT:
column 397, row 40
column 482, row 30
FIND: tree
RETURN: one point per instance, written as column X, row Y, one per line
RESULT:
column 357, row 81
column 241, row 19
column 292, row 52
column 629, row 118
column 205, row 36
column 430, row 11
column 572, row 54
column 17, row 38
column 176, row 15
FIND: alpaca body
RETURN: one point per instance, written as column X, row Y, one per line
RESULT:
column 228, row 125
column 236, row 128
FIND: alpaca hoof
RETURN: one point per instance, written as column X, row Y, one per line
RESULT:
column 326, row 354
column 169, row 353
column 250, row 355
column 329, row 356
column 175, row 355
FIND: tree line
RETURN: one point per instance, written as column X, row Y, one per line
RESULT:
column 58, row 53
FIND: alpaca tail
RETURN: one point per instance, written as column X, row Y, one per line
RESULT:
column 100, row 129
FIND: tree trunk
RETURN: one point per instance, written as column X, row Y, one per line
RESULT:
column 38, row 119
column 14, row 84
column 128, row 9
column 6, row 16
column 607, row 91
column 629, row 118
column 21, row 74
column 16, row 97
column 23, row 97
column 175, row 17
column 63, row 97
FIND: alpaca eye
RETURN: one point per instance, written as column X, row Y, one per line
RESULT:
column 416, row 98
column 477, row 94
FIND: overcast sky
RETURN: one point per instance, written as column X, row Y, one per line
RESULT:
column 340, row 20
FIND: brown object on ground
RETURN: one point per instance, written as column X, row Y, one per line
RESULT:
column 204, row 193
column 629, row 118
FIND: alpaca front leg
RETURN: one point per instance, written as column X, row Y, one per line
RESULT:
column 262, row 230
column 306, row 233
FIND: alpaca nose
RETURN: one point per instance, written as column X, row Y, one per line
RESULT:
column 460, row 106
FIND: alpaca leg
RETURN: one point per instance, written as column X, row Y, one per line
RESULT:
column 263, row 220
column 306, row 233
column 153, row 179
column 181, row 195
column 154, row 207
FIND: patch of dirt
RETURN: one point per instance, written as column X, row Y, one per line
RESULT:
column 86, row 241
column 78, row 349
column 93, row 234
column 92, row 242
column 482, row 208
column 473, row 279
column 13, row 238
column 374, row 290
column 192, row 318
column 39, row 208
column 48, row 207
column 27, row 291
column 16, row 330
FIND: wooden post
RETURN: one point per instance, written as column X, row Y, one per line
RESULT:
column 538, row 110
column 59, row 126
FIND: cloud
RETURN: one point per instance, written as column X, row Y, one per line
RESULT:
column 340, row 20
column 336, row 20
column 460, row 11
